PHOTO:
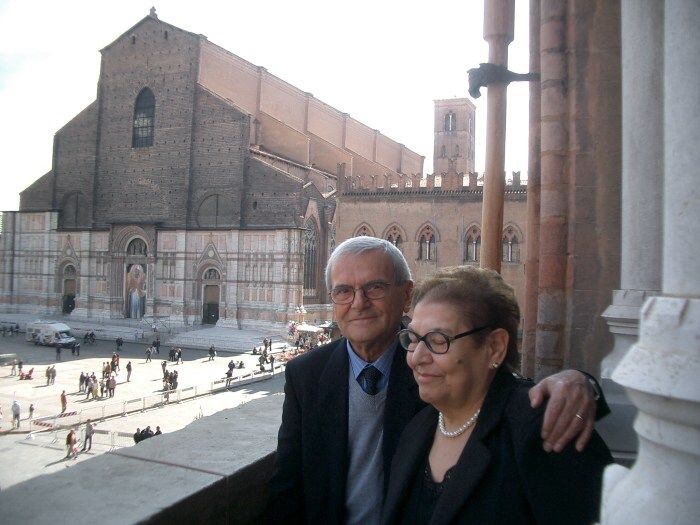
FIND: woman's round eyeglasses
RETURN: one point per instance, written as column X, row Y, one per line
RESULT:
column 436, row 342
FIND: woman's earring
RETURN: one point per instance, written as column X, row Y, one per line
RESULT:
column 495, row 365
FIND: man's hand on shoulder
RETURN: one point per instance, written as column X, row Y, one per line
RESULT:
column 570, row 412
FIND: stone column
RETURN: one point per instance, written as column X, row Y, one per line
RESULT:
column 642, row 166
column 642, row 194
column 532, row 239
column 660, row 372
column 498, row 32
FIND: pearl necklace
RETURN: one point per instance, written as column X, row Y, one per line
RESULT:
column 468, row 423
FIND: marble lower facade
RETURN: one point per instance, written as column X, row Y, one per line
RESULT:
column 144, row 273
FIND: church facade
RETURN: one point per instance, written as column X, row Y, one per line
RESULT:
column 196, row 188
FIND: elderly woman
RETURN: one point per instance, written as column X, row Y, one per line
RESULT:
column 475, row 455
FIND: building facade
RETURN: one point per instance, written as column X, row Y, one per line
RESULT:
column 196, row 188
column 435, row 220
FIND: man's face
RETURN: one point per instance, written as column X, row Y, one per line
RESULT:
column 369, row 325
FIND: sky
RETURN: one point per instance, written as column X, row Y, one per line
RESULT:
column 382, row 61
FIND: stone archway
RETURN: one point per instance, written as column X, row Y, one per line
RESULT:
column 69, row 279
column 211, row 296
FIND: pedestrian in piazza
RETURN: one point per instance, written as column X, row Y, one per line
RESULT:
column 72, row 444
column 89, row 431
column 179, row 356
column 112, row 385
column 148, row 354
column 13, row 372
column 16, row 410
column 119, row 342
column 53, row 374
column 31, row 411
column 58, row 352
column 157, row 344
column 81, row 383
column 64, row 402
column 48, row 375
column 128, row 371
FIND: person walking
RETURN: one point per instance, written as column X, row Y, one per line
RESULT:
column 148, row 354
column 16, row 410
column 31, row 411
column 128, row 371
column 48, row 375
column 71, row 444
column 53, row 374
column 64, row 402
column 13, row 372
column 58, row 352
column 119, row 342
column 112, row 385
column 89, row 431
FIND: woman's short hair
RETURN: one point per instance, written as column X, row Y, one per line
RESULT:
column 482, row 295
column 364, row 243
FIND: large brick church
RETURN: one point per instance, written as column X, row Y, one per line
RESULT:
column 199, row 188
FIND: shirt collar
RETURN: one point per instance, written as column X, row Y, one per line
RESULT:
column 383, row 364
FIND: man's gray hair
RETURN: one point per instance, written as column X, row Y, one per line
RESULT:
column 357, row 245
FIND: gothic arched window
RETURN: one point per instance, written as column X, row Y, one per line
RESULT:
column 137, row 247
column 450, row 121
column 426, row 246
column 394, row 237
column 511, row 245
column 310, row 257
column 363, row 230
column 472, row 241
column 144, row 115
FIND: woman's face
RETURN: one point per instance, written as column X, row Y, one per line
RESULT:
column 462, row 374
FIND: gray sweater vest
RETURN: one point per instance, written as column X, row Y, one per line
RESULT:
column 365, row 484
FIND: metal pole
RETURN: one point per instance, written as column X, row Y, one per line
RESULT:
column 498, row 32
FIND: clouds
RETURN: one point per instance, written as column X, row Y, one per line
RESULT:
column 384, row 62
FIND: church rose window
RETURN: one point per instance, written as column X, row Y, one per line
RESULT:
column 144, row 114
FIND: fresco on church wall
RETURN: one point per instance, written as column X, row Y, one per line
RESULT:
column 135, row 297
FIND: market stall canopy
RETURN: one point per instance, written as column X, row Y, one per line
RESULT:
column 307, row 328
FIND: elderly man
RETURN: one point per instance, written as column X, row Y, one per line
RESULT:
column 347, row 402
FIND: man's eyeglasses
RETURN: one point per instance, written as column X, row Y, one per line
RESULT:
column 346, row 294
column 437, row 342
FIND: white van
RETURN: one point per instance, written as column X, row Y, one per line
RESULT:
column 50, row 333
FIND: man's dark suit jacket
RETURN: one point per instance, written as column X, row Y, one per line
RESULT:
column 503, row 475
column 310, row 475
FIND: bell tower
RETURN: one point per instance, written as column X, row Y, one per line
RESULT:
column 453, row 150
